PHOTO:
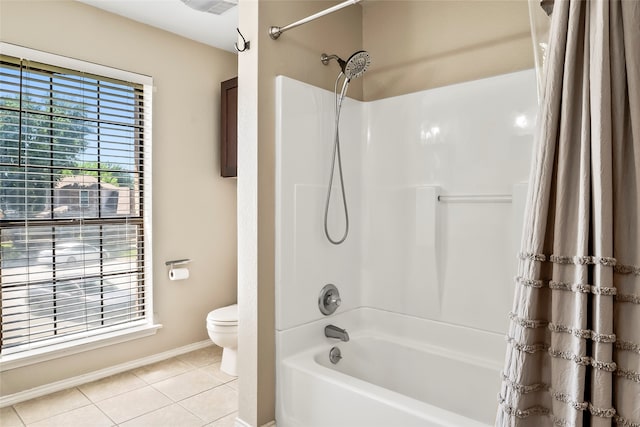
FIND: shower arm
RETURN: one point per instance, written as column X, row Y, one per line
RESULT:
column 275, row 32
column 326, row 58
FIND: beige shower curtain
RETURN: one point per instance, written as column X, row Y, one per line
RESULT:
column 573, row 353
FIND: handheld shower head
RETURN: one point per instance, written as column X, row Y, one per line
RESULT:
column 353, row 67
column 356, row 65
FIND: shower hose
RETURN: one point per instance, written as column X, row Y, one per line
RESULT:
column 336, row 153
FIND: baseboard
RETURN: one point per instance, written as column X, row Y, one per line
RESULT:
column 240, row 423
column 33, row 393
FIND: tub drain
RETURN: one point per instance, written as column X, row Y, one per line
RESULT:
column 335, row 355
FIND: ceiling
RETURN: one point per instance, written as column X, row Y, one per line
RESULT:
column 176, row 17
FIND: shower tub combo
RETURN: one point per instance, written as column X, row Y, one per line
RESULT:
column 425, row 281
column 395, row 370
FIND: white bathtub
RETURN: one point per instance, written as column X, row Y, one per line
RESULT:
column 396, row 370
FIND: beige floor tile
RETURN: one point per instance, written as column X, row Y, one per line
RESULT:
column 228, row 421
column 215, row 370
column 88, row 415
column 132, row 404
column 51, row 405
column 203, row 357
column 213, row 404
column 162, row 370
column 187, row 384
column 169, row 416
column 9, row 417
column 233, row 384
column 111, row 386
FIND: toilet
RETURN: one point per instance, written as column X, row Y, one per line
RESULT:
column 222, row 325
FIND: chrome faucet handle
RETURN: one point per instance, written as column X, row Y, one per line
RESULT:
column 333, row 299
column 329, row 300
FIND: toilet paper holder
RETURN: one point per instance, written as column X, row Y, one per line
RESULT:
column 176, row 262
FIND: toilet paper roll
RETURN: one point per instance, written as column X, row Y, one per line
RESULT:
column 178, row 274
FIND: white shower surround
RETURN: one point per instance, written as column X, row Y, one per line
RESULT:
column 407, row 253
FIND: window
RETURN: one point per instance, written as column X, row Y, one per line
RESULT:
column 74, row 202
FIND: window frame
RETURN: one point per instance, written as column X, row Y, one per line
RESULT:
column 131, row 330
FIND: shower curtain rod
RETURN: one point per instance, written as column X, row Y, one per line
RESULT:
column 275, row 32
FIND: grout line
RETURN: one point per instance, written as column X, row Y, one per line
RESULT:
column 95, row 402
column 18, row 414
column 82, row 393
column 96, row 406
column 202, row 392
column 105, row 414
column 195, row 415
column 225, row 415
column 38, row 420
column 173, row 359
column 146, row 413
column 58, row 414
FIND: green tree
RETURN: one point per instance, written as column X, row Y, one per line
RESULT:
column 34, row 152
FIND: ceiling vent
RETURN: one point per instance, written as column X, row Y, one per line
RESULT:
column 217, row 7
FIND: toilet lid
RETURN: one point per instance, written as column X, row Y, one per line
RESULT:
column 225, row 314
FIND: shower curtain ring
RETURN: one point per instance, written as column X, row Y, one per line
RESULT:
column 246, row 45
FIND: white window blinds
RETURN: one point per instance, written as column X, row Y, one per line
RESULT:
column 73, row 150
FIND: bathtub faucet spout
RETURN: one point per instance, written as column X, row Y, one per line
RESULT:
column 331, row 331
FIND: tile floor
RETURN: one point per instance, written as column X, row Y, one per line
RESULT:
column 187, row 390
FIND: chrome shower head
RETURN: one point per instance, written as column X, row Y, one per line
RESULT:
column 356, row 65
column 353, row 67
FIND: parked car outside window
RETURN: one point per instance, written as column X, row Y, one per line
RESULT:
column 71, row 253
column 82, row 301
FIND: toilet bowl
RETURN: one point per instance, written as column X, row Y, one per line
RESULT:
column 222, row 326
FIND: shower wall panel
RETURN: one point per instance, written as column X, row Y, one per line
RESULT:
column 406, row 251
column 452, row 261
column 305, row 260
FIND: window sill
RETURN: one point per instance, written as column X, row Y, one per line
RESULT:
column 30, row 357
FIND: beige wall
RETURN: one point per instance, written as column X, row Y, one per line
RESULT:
column 297, row 55
column 418, row 45
column 194, row 210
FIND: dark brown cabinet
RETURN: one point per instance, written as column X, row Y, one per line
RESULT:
column 229, row 128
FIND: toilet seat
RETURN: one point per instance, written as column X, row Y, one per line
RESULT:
column 225, row 316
